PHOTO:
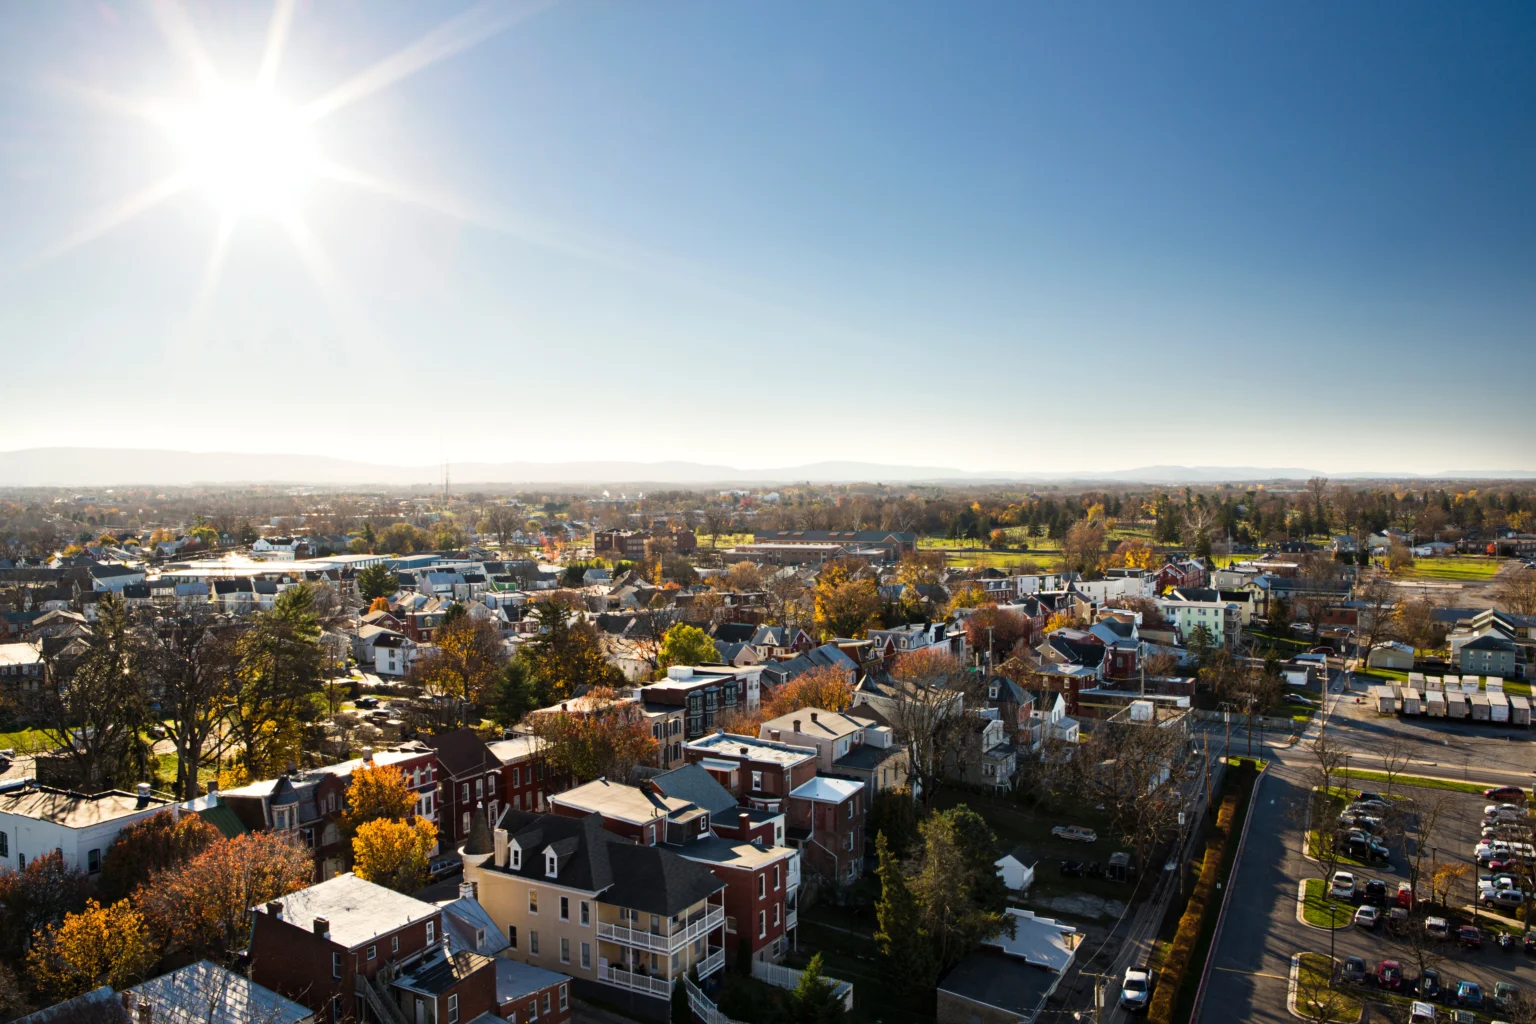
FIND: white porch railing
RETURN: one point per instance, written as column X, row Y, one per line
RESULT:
column 791, row 917
column 780, row 976
column 642, row 939
column 635, row 981
column 712, row 963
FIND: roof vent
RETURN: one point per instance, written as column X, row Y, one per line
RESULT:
column 745, row 749
column 367, row 753
column 813, row 718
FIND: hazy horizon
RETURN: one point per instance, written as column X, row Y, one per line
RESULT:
column 992, row 237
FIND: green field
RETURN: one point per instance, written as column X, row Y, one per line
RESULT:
column 1454, row 569
column 25, row 741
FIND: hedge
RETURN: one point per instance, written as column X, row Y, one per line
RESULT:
column 1176, row 964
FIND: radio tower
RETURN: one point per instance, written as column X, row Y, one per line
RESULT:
column 445, row 480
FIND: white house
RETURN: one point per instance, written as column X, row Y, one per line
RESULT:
column 1017, row 872
column 394, row 654
column 114, row 576
column 36, row 820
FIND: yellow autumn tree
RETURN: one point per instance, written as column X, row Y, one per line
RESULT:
column 377, row 791
column 394, row 854
column 823, row 687
column 98, row 946
column 1134, row 554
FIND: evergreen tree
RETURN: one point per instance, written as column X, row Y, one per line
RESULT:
column 906, row 954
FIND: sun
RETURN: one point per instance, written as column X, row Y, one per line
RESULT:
column 246, row 152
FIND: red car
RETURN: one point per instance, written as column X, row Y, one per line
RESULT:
column 1469, row 937
column 1389, row 975
column 1505, row 793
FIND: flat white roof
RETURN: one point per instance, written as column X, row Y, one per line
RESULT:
column 832, row 791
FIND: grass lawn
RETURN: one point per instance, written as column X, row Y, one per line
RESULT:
column 1454, row 569
column 1312, row 987
column 722, row 541
column 1515, row 688
column 983, row 559
column 1385, row 675
column 1322, row 911
column 24, row 741
column 1360, row 775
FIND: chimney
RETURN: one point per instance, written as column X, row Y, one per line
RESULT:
column 367, row 753
column 293, row 767
column 776, row 735
column 212, row 786
column 275, row 908
column 813, row 718
column 564, row 706
column 146, row 1012
column 323, row 927
column 143, row 794
column 469, row 890
column 796, row 724
column 744, row 751
column 743, row 821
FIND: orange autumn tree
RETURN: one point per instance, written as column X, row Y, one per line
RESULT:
column 602, row 736
column 377, row 792
column 394, row 854
column 823, row 687
column 203, row 906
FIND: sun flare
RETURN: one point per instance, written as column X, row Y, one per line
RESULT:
column 246, row 152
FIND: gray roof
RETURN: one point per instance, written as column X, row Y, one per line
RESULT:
column 1001, row 981
column 698, row 787
column 205, row 993
column 471, row 927
column 358, row 911
column 516, row 980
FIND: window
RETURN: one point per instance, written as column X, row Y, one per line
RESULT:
column 533, row 942
column 565, row 951
column 517, row 777
column 586, row 963
column 533, row 1009
column 394, row 943
column 479, row 788
column 335, row 965
column 777, row 907
column 762, row 923
column 453, row 1008
column 464, row 822
column 586, row 914
column 92, row 861
column 650, row 833
column 565, row 1001
column 512, row 935
column 565, row 908
column 546, row 1002
column 551, row 866
column 5, row 845
column 677, row 961
column 465, row 790
column 533, row 901
column 373, row 952
column 762, row 886
column 431, row 932
column 757, row 780
column 776, row 877
column 479, row 937
column 517, row 857
column 850, row 810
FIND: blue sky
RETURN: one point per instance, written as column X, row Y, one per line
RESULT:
column 1035, row 237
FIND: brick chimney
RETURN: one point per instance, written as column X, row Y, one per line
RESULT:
column 146, row 1012
column 275, row 908
column 796, row 724
column 743, row 822
column 323, row 927
column 813, row 718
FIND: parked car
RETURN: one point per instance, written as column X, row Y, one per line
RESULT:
column 1136, row 989
column 1072, row 868
column 1075, row 833
column 1373, row 804
column 1366, row 794
column 1505, row 810
column 1429, row 985
column 1367, row 917
column 367, row 703
column 1437, row 927
column 1405, row 894
column 1389, row 975
column 1354, row 969
column 1343, row 886
column 1506, row 996
column 1468, row 937
column 1300, row 701
column 1505, row 899
column 1375, row 892
column 1361, row 846
column 1505, row 793
column 1363, row 822
column 1421, row 1013
column 1469, row 993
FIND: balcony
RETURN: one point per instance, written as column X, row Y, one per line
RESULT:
column 700, row 924
column 712, row 963
column 791, row 917
column 635, row 981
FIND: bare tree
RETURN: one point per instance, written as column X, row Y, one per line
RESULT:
column 1317, row 999
column 1140, row 781
column 1394, row 760
column 1327, row 760
column 926, row 705
column 1373, row 618
column 194, row 668
column 1515, row 591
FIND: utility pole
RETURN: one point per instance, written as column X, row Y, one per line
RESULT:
column 1207, row 738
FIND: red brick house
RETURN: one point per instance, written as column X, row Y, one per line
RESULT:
column 759, row 773
column 469, row 775
column 523, row 785
column 826, row 823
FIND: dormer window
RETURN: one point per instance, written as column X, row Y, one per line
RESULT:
column 517, row 858
column 551, row 865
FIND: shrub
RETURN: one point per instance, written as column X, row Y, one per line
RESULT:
column 1176, row 964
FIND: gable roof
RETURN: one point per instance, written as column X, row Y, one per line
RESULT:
column 462, row 752
column 698, row 787
column 205, row 993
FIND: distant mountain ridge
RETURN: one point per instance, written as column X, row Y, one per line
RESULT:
column 112, row 467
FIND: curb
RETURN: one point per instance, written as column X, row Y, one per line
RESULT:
column 1301, row 917
column 1290, row 991
column 1221, row 914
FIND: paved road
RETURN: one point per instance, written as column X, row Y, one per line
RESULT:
column 1250, row 968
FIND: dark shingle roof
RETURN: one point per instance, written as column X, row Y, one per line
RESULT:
column 461, row 753
column 697, row 786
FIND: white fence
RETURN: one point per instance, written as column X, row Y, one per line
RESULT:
column 787, row 977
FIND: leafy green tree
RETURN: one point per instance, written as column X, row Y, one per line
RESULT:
column 687, row 645
column 514, row 693
column 279, row 675
column 376, row 581
column 567, row 656
column 978, row 846
column 906, row 949
column 945, row 888
column 403, row 538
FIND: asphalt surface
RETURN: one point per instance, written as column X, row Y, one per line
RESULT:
column 1250, row 968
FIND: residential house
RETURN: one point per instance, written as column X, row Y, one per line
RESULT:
column 114, row 576
column 352, row 951
column 826, row 822
column 759, row 773
column 1012, row 976
column 36, row 820
column 985, row 757
column 706, row 694
column 469, row 776
column 1391, row 655
column 1489, row 655
column 523, row 785
column 828, row 656
column 1185, row 572
column 393, row 654
column 205, row 993
column 625, row 921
